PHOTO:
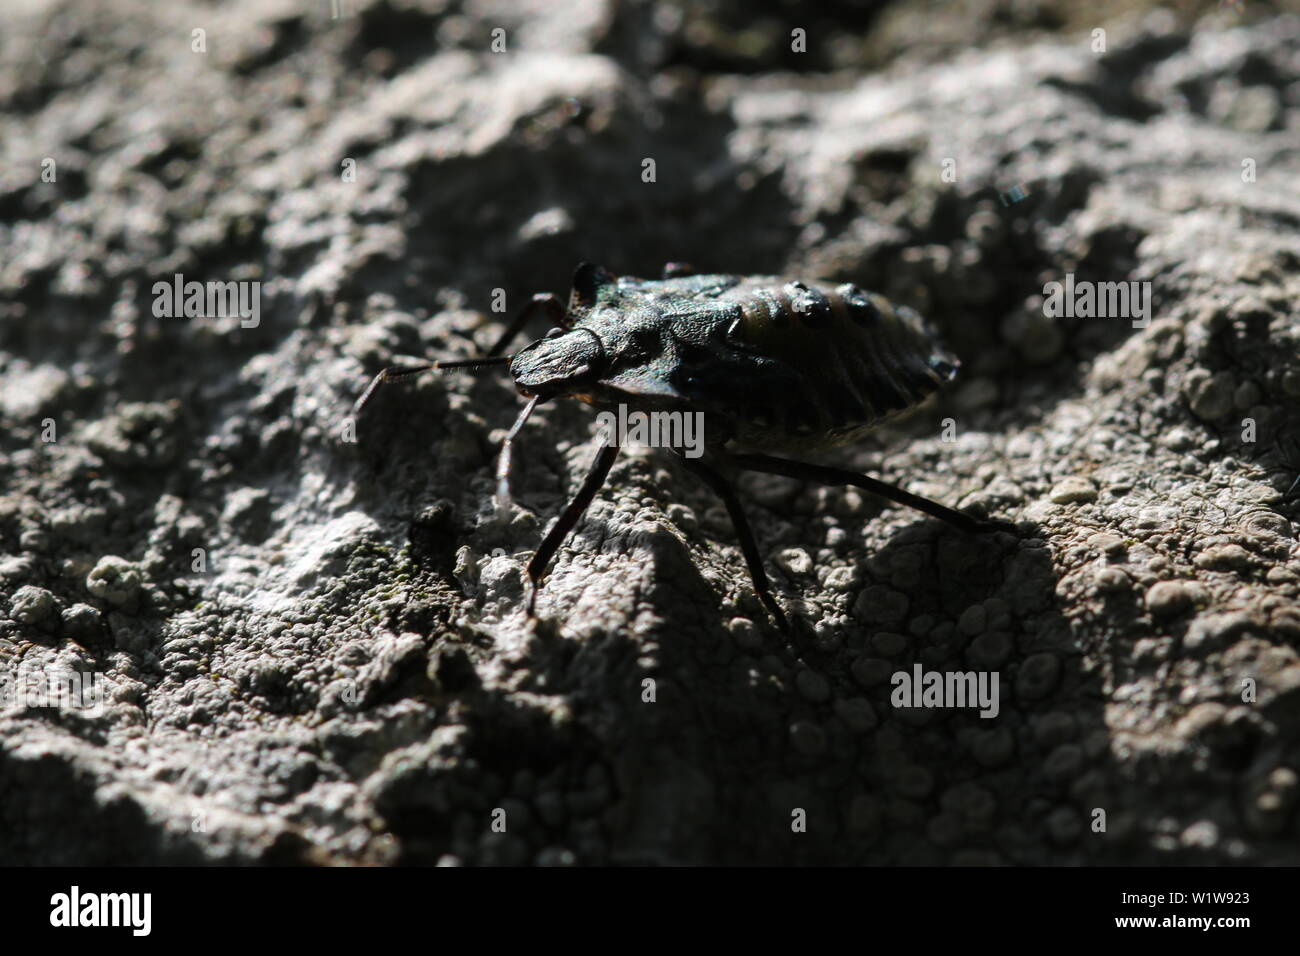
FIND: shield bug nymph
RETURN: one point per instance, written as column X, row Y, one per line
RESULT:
column 773, row 364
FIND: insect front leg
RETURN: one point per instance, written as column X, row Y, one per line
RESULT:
column 572, row 513
column 505, row 459
column 748, row 544
column 826, row 475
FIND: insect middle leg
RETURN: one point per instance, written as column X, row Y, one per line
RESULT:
column 826, row 475
column 748, row 545
column 572, row 513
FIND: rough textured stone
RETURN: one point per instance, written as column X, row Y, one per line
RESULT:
column 316, row 648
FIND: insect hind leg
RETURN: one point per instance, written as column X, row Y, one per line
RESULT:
column 826, row 475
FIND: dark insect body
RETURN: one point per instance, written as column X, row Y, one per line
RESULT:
column 772, row 364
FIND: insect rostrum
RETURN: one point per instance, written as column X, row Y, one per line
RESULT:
column 774, row 365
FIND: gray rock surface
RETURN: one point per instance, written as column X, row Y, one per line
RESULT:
column 314, row 650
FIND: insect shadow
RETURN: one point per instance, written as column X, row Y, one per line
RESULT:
column 705, row 745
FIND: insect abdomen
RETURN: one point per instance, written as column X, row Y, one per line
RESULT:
column 856, row 358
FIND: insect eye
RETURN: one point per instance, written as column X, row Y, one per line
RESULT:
column 641, row 344
column 554, row 332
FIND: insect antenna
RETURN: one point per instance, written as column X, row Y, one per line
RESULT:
column 475, row 362
column 395, row 372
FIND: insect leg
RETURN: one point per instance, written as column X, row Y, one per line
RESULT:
column 543, row 302
column 748, row 545
column 560, row 530
column 503, row 462
column 842, row 476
